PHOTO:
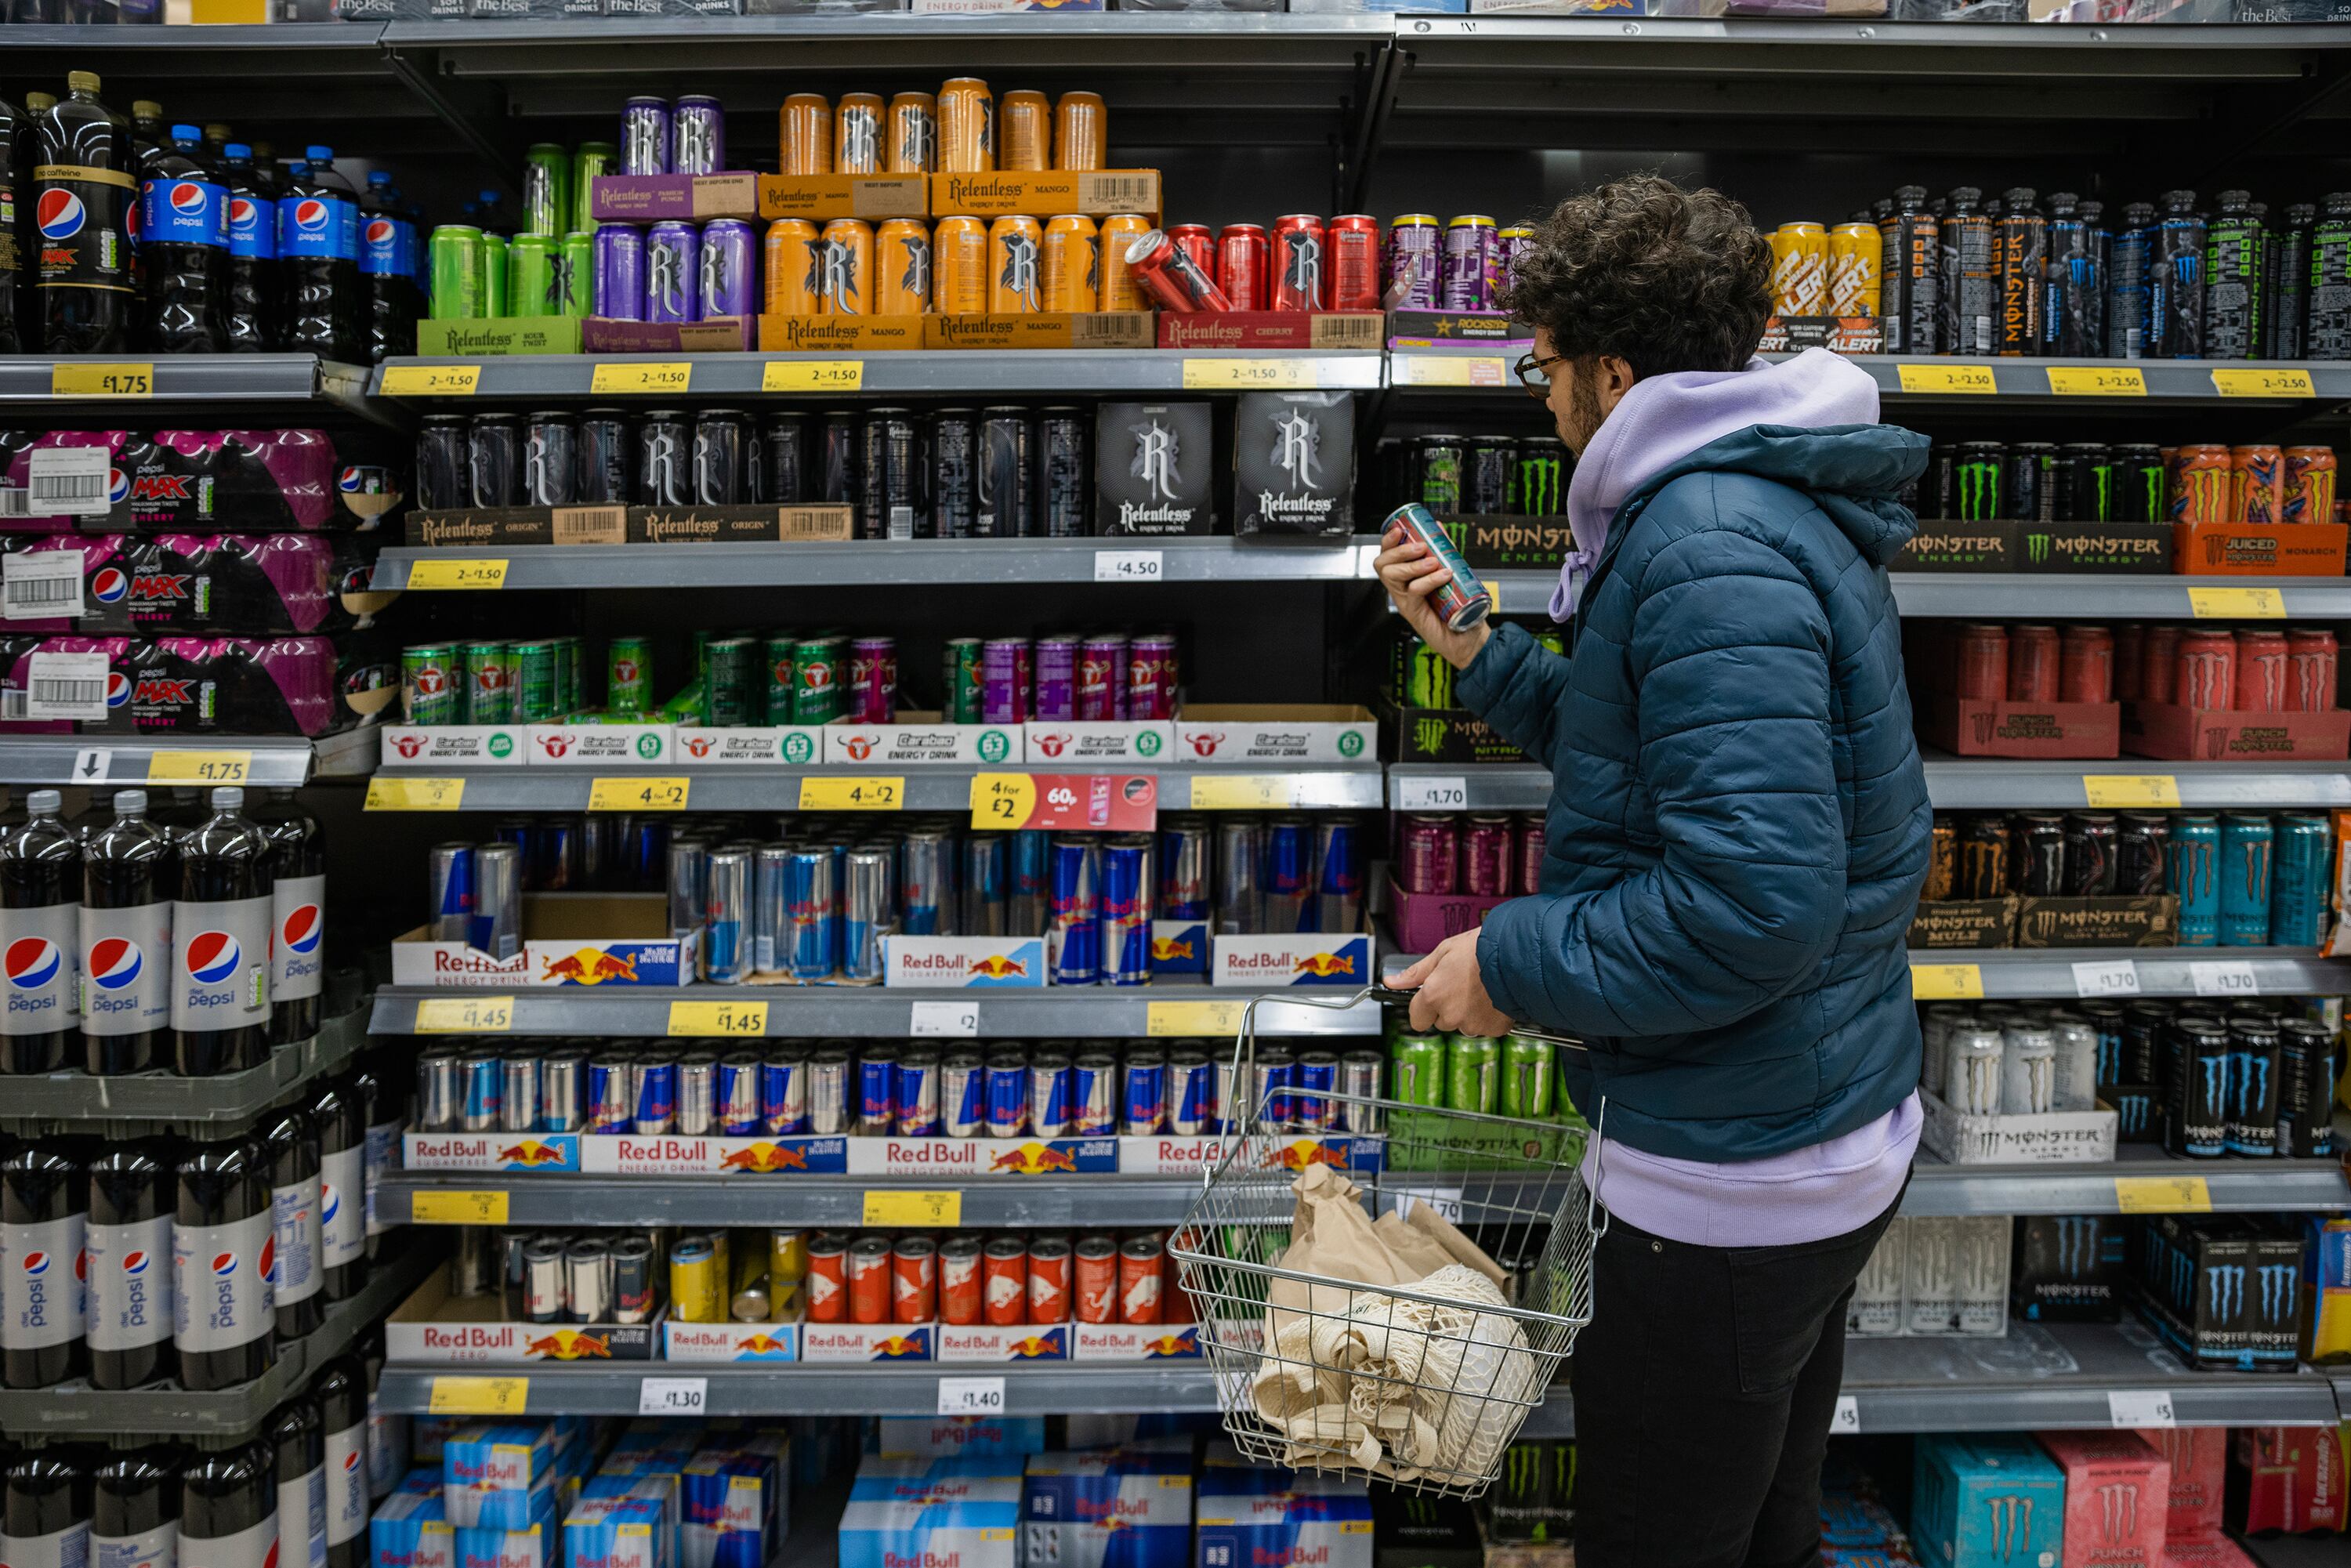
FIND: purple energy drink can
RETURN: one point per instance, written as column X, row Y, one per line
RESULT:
column 1101, row 680
column 1125, row 903
column 1057, row 680
column 698, row 144
column 872, row 680
column 1004, row 681
column 1093, row 1090
column 1007, row 1093
column 1073, row 935
column 1468, row 244
column 730, row 268
column 672, row 273
column 1416, row 246
column 1151, row 677
column 644, row 137
column 1429, row 858
column 963, row 1094
column 739, row 1107
column 618, row 290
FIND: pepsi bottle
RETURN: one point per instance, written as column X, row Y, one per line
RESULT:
column 129, row 1244
column 297, row 1434
column 387, row 1434
column 293, row 1144
column 251, row 312
column 40, row 897
column 13, row 143
column 228, row 1508
column 220, row 920
column 135, row 1508
column 146, row 130
column 382, row 1115
column 183, row 248
column 45, row 1510
column 317, row 243
column 342, row 1396
column 42, row 1208
column 84, row 182
column 125, row 941
column 223, row 1245
column 336, row 1110
column 298, row 958
column 388, row 270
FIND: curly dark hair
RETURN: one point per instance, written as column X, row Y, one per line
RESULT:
column 1664, row 279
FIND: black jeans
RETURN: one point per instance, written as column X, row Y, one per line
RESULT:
column 1704, row 1389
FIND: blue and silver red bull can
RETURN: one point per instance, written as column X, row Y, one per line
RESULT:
column 963, row 1094
column 439, row 1090
column 1191, row 1091
column 830, row 1089
column 1338, row 875
column 926, row 884
column 1269, row 1097
column 1184, row 851
column 1052, row 1111
column 809, row 943
column 1094, row 1090
column 653, row 1100
column 916, row 1096
column 727, row 928
column 481, row 1078
column 1142, row 1092
column 452, row 892
column 563, row 1090
column 1007, row 1093
column 645, row 855
column 611, row 1095
column 1285, row 875
column 987, row 860
column 1025, row 877
column 697, row 1095
column 876, row 1093
column 1073, row 936
column 784, row 1094
column 1463, row 601
column 1312, row 1079
column 1125, row 901
column 741, row 1098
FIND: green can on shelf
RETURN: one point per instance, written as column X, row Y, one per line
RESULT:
column 490, row 684
column 428, row 683
column 1473, row 1073
column 1526, row 1078
column 539, row 681
column 776, row 689
column 629, row 675
column 727, row 680
column 575, row 675
column 959, row 681
column 453, row 257
column 530, row 275
column 545, row 190
column 1423, row 678
column 1416, row 1070
column 589, row 159
column 575, row 272
column 494, row 276
column 817, row 680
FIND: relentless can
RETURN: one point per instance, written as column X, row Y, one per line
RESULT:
column 912, row 139
column 1004, row 493
column 794, row 260
column 1118, row 234
column 1015, row 267
column 645, row 147
column 616, row 285
column 1241, row 252
column 1071, row 269
column 844, row 279
column 960, row 275
column 857, row 130
column 968, row 140
column 672, row 273
column 902, row 268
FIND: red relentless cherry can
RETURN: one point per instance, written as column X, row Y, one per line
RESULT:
column 1198, row 242
column 1170, row 277
column 1301, row 277
column 1240, row 266
column 1354, row 269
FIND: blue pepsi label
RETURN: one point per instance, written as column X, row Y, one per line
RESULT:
column 183, row 212
column 253, row 227
column 387, row 246
column 323, row 227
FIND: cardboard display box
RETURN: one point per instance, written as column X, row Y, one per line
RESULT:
column 718, row 335
column 1947, row 546
column 1040, row 329
column 1839, row 334
column 1242, row 733
column 1441, row 735
column 1300, row 958
column 2052, row 1137
column 1089, row 741
column 1422, row 920
column 432, row 1325
column 2068, row 1268
column 567, row 939
column 1095, row 193
column 821, row 197
column 731, row 1340
column 2104, row 550
column 478, row 526
column 2171, row 732
column 2151, row 920
column 1957, row 922
column 2064, row 730
column 1270, row 329
column 848, row 334
column 695, row 198
column 2270, row 550
column 476, row 337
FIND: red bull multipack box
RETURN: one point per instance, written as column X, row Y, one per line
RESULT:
column 412, row 1529
column 618, row 1523
column 534, row 1545
column 933, row 1513
column 498, row 1475
column 1110, row 1508
column 734, row 1506
column 1248, row 1515
column 959, row 1437
column 1993, row 1501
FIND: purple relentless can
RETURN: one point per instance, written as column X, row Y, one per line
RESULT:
column 1533, row 844
column 1057, row 680
column 698, row 144
column 644, row 137
column 1004, row 681
column 619, row 288
column 1051, row 1112
column 872, row 681
column 1101, row 680
column 740, row 1113
column 672, row 273
column 1468, row 246
column 730, row 269
column 1487, row 852
column 1007, row 1093
column 1072, row 931
column 1125, row 902
column 1094, row 1090
column 963, row 1094
column 1429, row 857
column 1151, row 677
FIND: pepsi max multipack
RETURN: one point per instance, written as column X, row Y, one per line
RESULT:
column 197, row 481
column 194, row 583
column 184, row 685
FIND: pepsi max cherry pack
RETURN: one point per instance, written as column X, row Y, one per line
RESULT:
column 202, row 582
column 197, row 686
column 169, row 481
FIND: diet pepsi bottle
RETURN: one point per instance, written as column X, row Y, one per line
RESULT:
column 228, row 1509
column 15, row 142
column 125, row 940
column 336, row 1110
column 342, row 1392
column 45, row 1510
column 128, row 1244
column 387, row 1432
column 223, row 1246
column 298, row 1435
column 40, row 897
column 319, row 251
column 85, row 179
column 135, row 1511
column 298, row 902
column 42, row 1208
column 220, row 991
column 388, row 268
column 384, row 1117
column 249, row 314
column 293, row 1144
column 184, row 247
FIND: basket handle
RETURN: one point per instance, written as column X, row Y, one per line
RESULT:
column 1402, row 996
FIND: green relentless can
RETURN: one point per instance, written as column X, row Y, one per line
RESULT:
column 727, row 680
column 455, row 260
column 489, row 683
column 494, row 276
column 545, row 190
column 959, row 681
column 530, row 276
column 1526, row 1078
column 1416, row 1070
column 428, row 683
column 1423, row 678
column 775, row 693
column 1473, row 1073
column 816, row 680
column 539, row 681
column 629, row 675
column 575, row 272
column 589, row 159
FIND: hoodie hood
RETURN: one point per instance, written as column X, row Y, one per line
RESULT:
column 1809, row 422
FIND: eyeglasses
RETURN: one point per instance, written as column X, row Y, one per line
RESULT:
column 1531, row 376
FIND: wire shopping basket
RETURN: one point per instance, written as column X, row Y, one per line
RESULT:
column 1423, row 1385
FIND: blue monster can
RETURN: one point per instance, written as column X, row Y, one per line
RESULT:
column 672, row 273
column 2193, row 870
column 2303, row 862
column 1073, row 931
column 2247, row 847
column 1124, row 921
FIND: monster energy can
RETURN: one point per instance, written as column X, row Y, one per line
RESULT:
column 1473, row 1071
column 1526, row 1078
column 1977, row 473
column 959, row 683
column 1543, row 468
column 1436, row 464
column 1422, row 677
column 1416, row 1070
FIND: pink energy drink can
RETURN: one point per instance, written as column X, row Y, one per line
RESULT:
column 1489, row 856
column 873, row 680
column 1151, row 677
column 1101, row 680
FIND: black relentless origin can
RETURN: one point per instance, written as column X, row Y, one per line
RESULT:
column 836, row 458
column 954, row 474
column 894, row 485
column 665, row 460
column 1008, row 475
column 550, row 460
column 783, row 451
column 2305, row 1108
column 443, row 472
column 494, row 461
column 602, row 477
column 2084, row 484
column 722, row 458
column 1066, row 472
column 2027, row 487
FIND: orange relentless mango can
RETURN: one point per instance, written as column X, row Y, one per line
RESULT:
column 1024, row 124
column 1072, row 265
column 959, row 267
column 845, row 286
column 1015, row 284
column 807, row 134
column 902, row 268
column 966, row 127
column 1118, row 232
column 792, row 261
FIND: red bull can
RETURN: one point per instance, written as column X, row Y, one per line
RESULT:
column 653, row 1095
column 927, row 882
column 1093, row 1091
column 1025, row 877
column 1359, row 1081
column 784, row 1094
column 611, row 1095
column 1184, row 848
column 697, row 1095
column 1007, row 1093
column 452, row 892
column 1338, row 875
column 1052, row 1111
column 1240, row 907
column 963, row 1094
column 741, row 1111
column 983, row 891
column 563, row 1091
column 1073, row 935
column 481, row 1076
column 877, row 1108
column 827, row 1092
column 916, row 1096
column 519, row 1093
column 1287, row 875
column 1268, row 1092
column 1124, row 924
column 1191, row 1091
column 809, row 939
column 1312, row 1079
column 1142, row 1092
column 726, row 931
column 1463, row 601
column 439, row 1093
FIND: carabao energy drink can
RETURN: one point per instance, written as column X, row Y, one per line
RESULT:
column 1416, row 1070
column 1463, row 601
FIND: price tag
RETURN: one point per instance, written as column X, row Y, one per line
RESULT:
column 1193, row 1017
column 1449, row 371
column 42, row 585
column 1445, row 1200
column 1090, row 802
column 673, row 1395
column 2236, row 604
column 454, row 574
column 415, row 794
column 457, row 1208
column 1209, row 375
column 852, row 794
column 1947, row 982
column 432, row 380
column 944, row 1021
column 2133, row 1408
column 1844, row 1421
column 464, row 1015
column 1242, row 791
column 1419, row 794
column 2096, row 381
column 739, row 1020
column 890, row 1206
column 101, row 380
column 2162, row 1195
column 66, row 686
column 1128, row 566
column 1975, row 379
column 2106, row 979
column 68, row 481
column 812, row 375
column 2224, row 978
column 971, row 1396
column 638, row 794
column 1002, row 800
column 2246, row 382
column 2128, row 790
column 198, row 766
column 479, row 1396
column 642, row 376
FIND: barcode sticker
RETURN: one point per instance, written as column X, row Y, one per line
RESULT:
column 589, row 525
column 66, row 686
column 43, row 583
column 15, row 503
column 1119, row 190
column 69, row 481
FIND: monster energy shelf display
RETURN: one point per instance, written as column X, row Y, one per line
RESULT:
column 1294, row 464
column 1151, row 468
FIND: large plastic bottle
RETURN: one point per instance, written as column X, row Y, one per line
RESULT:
column 220, row 924
column 15, row 315
column 319, row 248
column 252, row 313
column 40, row 937
column 184, row 247
column 388, row 269
column 128, row 874
column 298, row 955
column 84, row 184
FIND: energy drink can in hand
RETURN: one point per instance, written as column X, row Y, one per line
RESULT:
column 1462, row 601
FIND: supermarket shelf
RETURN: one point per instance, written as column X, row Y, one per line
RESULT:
column 605, row 1200
column 935, row 788
column 890, row 563
column 2012, row 594
column 2016, row 974
column 199, row 378
column 871, row 1012
column 2239, row 1186
column 230, row 1099
column 271, row 761
column 738, row 1388
column 79, row 1413
column 2169, row 381
column 1486, row 786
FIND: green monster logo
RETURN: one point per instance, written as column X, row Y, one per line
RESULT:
column 2036, row 547
column 2104, row 476
column 1539, row 486
column 1979, row 492
column 1429, row 735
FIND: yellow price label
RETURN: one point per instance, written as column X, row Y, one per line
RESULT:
column 1242, row 791
column 2163, row 1194
column 2127, row 789
column 479, row 1396
column 2094, row 380
column 457, row 1208
column 1449, row 371
column 89, row 380
column 1209, row 375
column 812, row 375
column 464, row 1015
column 415, row 794
column 931, row 1209
column 1002, row 800
column 2236, row 604
column 848, row 794
column 1947, row 982
column 743, row 1020
column 658, row 376
column 432, row 380
column 1193, row 1017
column 198, row 766
column 475, row 573
column 1975, row 379
column 2245, row 382
column 638, row 794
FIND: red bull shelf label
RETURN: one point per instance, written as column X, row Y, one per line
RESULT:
column 934, row 962
column 1305, row 958
column 731, row 1341
column 996, row 1342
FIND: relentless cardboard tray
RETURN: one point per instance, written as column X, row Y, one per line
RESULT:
column 490, row 337
column 719, row 335
column 1095, row 193
column 486, row 526
column 695, row 198
column 1042, row 329
column 2216, row 735
column 2064, row 730
column 2243, row 550
column 1270, row 329
column 855, row 334
column 821, row 197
